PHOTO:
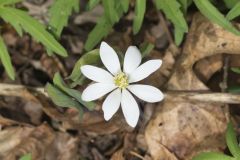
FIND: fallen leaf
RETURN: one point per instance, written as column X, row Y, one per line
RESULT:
column 179, row 130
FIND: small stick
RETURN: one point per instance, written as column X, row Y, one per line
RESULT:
column 223, row 85
column 18, row 90
column 209, row 97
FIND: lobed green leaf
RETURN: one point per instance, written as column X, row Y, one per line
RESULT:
column 6, row 61
column 140, row 8
column 101, row 30
column 61, row 99
column 109, row 11
column 125, row 5
column 103, row 27
column 92, row 3
column 146, row 49
column 234, row 12
column 212, row 13
column 59, row 14
column 91, row 57
column 178, row 35
column 184, row 5
column 7, row 2
column 212, row 156
column 230, row 3
column 26, row 157
column 232, row 143
column 173, row 12
column 58, row 81
column 175, row 15
column 22, row 21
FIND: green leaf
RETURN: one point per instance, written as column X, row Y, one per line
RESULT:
column 140, row 8
column 58, row 81
column 146, row 49
column 7, row 2
column 6, row 61
column 212, row 156
column 26, row 157
column 125, row 5
column 21, row 20
column 232, row 143
column 61, row 99
column 59, row 14
column 211, row 12
column 184, row 5
column 230, row 3
column 178, row 35
column 234, row 89
column 109, row 11
column 92, row 3
column 173, row 12
column 91, row 57
column 234, row 12
column 101, row 30
column 235, row 69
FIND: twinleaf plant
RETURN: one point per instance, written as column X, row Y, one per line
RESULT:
column 232, row 144
column 21, row 21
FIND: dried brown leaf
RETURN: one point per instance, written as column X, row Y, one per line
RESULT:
column 186, row 128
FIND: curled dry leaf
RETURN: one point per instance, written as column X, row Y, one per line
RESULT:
column 22, row 140
column 162, row 75
column 42, row 142
column 64, row 147
column 179, row 130
column 214, row 64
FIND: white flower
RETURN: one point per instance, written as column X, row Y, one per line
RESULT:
column 120, row 81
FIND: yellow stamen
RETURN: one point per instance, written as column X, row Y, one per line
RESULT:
column 121, row 80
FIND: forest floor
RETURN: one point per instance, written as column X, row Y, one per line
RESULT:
column 194, row 77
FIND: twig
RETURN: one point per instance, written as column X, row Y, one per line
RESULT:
column 223, row 84
column 18, row 90
column 21, row 91
column 228, row 98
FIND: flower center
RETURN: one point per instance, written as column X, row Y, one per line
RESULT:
column 121, row 80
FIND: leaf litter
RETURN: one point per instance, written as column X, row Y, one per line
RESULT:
column 170, row 130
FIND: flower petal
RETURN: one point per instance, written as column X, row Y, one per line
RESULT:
column 109, row 58
column 96, row 90
column 147, row 93
column 111, row 104
column 132, row 59
column 144, row 70
column 130, row 108
column 97, row 74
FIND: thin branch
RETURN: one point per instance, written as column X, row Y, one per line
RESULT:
column 209, row 97
column 23, row 91
column 18, row 90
